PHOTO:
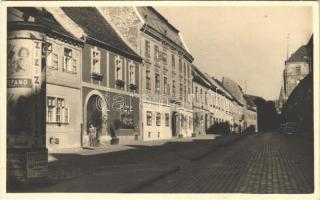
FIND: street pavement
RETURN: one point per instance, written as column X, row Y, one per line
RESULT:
column 262, row 164
column 254, row 163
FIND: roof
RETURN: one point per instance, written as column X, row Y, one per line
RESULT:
column 46, row 20
column 219, row 85
column 98, row 28
column 199, row 77
column 301, row 55
column 250, row 104
column 233, row 89
column 156, row 21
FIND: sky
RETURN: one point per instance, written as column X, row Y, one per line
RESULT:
column 246, row 44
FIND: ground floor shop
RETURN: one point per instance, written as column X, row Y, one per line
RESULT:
column 165, row 121
column 106, row 110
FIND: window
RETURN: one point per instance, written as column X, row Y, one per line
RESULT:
column 181, row 90
column 52, row 58
column 180, row 65
column 158, row 119
column 132, row 78
column 149, row 118
column 173, row 88
column 119, row 68
column 298, row 70
column 164, row 57
column 205, row 98
column 67, row 60
column 95, row 61
column 147, row 49
column 57, row 112
column 184, row 69
column 185, row 93
column 196, row 94
column 167, row 119
column 148, row 80
column 157, row 82
column 50, row 114
column 188, row 71
column 201, row 95
column 173, row 60
column 165, row 84
column 156, row 54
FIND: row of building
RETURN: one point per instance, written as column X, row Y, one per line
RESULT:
column 122, row 65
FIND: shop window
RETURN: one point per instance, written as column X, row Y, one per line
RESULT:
column 148, row 80
column 67, row 60
column 95, row 61
column 167, row 119
column 149, row 118
column 158, row 119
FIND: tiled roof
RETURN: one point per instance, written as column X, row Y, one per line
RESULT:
column 45, row 19
column 97, row 27
column 250, row 102
column 234, row 89
column 301, row 55
column 160, row 24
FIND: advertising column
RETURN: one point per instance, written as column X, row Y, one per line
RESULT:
column 27, row 156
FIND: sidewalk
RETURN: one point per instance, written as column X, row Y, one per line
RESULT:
column 124, row 167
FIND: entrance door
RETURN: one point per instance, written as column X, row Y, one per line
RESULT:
column 94, row 114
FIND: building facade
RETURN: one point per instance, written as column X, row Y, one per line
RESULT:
column 166, row 81
column 110, row 74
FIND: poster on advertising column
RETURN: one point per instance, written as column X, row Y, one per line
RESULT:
column 19, row 93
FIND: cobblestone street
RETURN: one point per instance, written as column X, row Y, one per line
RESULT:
column 261, row 163
column 256, row 163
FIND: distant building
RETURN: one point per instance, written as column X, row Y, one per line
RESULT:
column 239, row 108
column 297, row 66
column 298, row 108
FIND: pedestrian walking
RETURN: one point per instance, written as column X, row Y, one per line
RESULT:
column 92, row 135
